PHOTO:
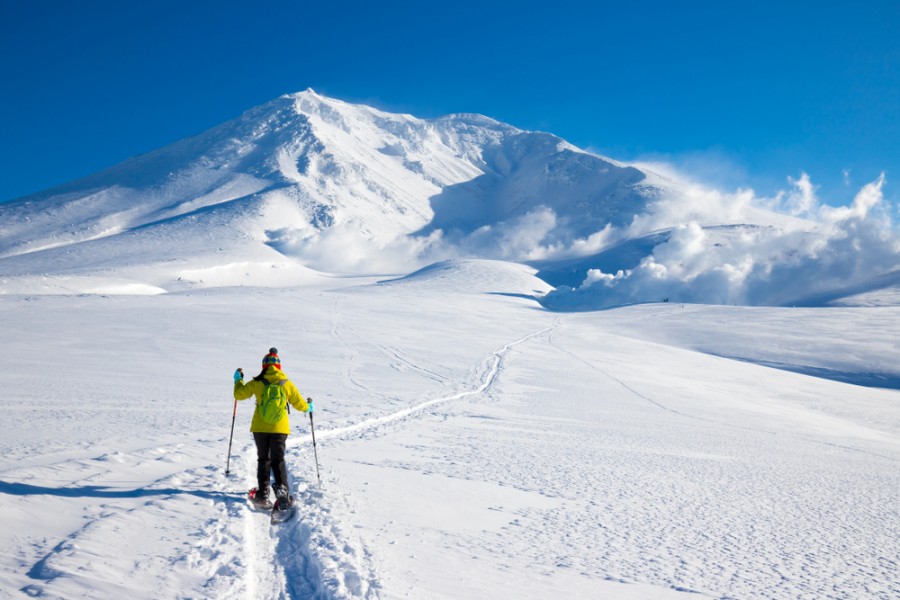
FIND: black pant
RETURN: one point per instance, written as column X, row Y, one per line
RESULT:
column 270, row 454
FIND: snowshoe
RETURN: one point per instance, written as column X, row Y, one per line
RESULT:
column 259, row 500
column 284, row 508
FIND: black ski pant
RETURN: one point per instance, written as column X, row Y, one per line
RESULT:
column 270, row 455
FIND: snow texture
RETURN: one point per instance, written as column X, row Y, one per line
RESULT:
column 471, row 445
column 727, row 427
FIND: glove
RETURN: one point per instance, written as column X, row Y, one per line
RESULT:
column 238, row 375
column 312, row 406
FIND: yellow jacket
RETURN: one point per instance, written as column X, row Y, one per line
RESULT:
column 243, row 391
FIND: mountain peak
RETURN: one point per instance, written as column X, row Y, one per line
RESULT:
column 319, row 183
column 309, row 95
column 293, row 176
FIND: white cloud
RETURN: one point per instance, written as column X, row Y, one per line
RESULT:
column 868, row 197
column 345, row 249
column 771, row 265
column 522, row 238
column 801, row 200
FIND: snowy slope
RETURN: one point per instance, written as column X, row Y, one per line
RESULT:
column 339, row 187
column 307, row 185
column 472, row 445
column 474, row 277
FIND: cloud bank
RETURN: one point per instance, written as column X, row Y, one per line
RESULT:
column 779, row 264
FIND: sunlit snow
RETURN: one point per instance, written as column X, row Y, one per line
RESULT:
column 728, row 425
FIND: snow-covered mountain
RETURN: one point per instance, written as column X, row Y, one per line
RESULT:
column 471, row 444
column 303, row 174
column 306, row 185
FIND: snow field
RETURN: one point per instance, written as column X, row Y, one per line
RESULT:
column 471, row 445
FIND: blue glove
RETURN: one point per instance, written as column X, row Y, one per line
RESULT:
column 238, row 375
column 312, row 407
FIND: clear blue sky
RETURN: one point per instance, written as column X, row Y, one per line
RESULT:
column 738, row 93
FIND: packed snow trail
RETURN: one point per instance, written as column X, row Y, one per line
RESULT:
column 373, row 423
column 317, row 555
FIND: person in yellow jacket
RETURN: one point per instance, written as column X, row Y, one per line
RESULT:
column 270, row 438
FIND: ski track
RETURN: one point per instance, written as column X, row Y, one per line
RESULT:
column 376, row 422
column 317, row 555
column 403, row 363
column 350, row 350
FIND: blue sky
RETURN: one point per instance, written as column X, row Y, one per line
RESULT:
column 736, row 93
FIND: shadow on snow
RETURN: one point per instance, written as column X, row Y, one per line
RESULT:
column 99, row 491
column 889, row 381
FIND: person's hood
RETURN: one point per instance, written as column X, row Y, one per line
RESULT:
column 274, row 374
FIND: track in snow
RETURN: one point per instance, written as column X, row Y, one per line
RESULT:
column 317, row 555
column 373, row 423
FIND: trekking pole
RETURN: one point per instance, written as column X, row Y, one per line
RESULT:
column 230, row 437
column 238, row 376
column 315, row 451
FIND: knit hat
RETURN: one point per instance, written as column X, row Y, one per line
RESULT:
column 271, row 359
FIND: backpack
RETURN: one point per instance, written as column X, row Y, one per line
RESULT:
column 273, row 403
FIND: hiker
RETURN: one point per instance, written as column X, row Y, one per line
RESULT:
column 270, row 425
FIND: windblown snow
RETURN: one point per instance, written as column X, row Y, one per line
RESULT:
column 727, row 427
column 309, row 182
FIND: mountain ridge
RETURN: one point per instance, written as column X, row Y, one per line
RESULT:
column 306, row 183
column 317, row 151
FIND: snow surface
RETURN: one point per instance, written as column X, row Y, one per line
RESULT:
column 483, row 430
column 472, row 445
